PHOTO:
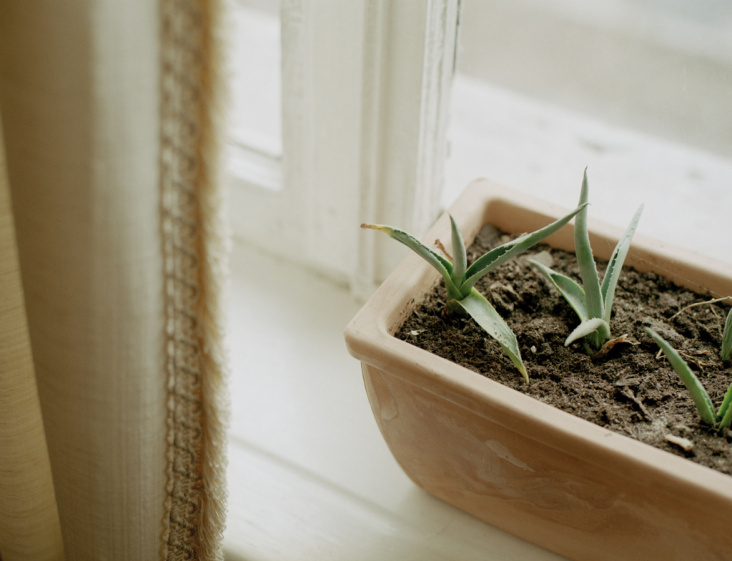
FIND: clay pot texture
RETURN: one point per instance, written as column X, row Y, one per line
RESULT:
column 542, row 474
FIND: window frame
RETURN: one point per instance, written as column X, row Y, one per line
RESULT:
column 366, row 91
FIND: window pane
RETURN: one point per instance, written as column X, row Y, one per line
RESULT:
column 663, row 67
column 638, row 90
column 255, row 120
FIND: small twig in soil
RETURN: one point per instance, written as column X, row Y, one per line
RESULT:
column 691, row 357
column 713, row 301
column 628, row 394
column 684, row 443
column 720, row 321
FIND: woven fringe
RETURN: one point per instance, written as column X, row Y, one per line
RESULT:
column 193, row 244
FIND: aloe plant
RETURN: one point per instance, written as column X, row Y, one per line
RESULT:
column 723, row 416
column 592, row 301
column 726, row 352
column 460, row 279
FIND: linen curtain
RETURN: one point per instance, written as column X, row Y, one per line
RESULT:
column 110, row 120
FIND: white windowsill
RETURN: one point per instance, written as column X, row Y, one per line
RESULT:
column 310, row 476
column 540, row 149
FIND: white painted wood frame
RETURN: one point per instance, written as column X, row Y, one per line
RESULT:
column 366, row 87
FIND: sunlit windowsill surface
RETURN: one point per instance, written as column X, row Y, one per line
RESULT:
column 537, row 148
column 310, row 477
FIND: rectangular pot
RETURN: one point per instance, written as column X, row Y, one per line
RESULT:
column 542, row 474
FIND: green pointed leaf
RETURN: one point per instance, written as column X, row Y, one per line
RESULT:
column 698, row 393
column 727, row 338
column 724, row 415
column 615, row 265
column 459, row 257
column 428, row 254
column 726, row 419
column 588, row 327
column 572, row 292
column 487, row 317
column 504, row 252
column 588, row 270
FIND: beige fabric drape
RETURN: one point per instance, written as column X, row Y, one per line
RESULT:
column 110, row 131
column 29, row 527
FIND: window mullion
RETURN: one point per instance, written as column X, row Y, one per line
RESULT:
column 408, row 67
column 365, row 98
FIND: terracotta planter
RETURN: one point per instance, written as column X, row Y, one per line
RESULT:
column 519, row 464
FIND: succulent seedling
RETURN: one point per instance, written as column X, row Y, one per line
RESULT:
column 726, row 352
column 460, row 279
column 593, row 300
column 723, row 416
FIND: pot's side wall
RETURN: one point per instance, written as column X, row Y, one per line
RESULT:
column 535, row 491
column 450, row 433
